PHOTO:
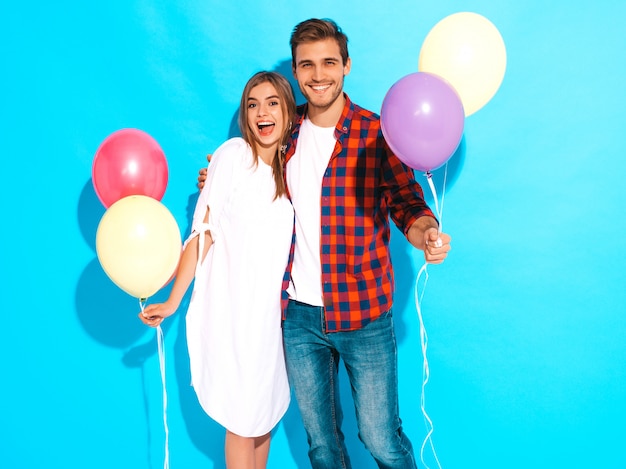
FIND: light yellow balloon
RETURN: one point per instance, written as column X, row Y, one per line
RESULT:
column 138, row 245
column 467, row 50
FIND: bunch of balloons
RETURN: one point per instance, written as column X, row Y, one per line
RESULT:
column 138, row 241
column 460, row 68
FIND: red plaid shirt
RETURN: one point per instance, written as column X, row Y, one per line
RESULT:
column 363, row 184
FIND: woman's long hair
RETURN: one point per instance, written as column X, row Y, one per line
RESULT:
column 288, row 108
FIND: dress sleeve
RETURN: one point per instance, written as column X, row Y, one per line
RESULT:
column 221, row 174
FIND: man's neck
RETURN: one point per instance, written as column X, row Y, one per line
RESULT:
column 327, row 116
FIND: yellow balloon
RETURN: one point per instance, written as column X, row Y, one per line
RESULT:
column 467, row 50
column 138, row 245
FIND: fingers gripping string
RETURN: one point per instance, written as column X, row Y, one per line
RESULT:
column 161, row 352
column 423, row 335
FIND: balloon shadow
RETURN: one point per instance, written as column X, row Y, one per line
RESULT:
column 106, row 313
column 89, row 214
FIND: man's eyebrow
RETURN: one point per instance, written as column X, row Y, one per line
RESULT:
column 325, row 59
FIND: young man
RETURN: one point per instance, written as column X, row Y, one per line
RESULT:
column 344, row 182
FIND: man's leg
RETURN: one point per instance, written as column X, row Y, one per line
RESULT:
column 370, row 355
column 312, row 370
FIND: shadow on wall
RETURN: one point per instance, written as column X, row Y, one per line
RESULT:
column 122, row 329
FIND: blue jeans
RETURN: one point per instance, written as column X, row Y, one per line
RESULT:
column 370, row 357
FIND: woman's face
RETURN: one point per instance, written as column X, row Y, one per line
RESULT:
column 265, row 115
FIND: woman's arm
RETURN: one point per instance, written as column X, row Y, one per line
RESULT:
column 154, row 314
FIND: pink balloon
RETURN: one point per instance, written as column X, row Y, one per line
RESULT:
column 129, row 162
column 422, row 119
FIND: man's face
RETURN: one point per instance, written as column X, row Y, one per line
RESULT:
column 320, row 71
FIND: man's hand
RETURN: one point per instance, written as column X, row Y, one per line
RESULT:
column 424, row 234
column 202, row 174
column 436, row 246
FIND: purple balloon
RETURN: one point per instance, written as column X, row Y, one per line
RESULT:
column 422, row 119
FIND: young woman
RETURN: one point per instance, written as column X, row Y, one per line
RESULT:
column 238, row 252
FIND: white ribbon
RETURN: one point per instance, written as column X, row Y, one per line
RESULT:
column 161, row 352
column 423, row 335
column 201, row 228
column 161, row 348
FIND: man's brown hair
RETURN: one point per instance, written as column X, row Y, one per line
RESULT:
column 314, row 30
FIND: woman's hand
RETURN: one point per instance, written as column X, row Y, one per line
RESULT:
column 153, row 315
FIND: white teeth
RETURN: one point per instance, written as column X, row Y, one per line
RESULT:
column 320, row 87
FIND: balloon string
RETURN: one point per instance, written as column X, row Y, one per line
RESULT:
column 166, row 463
column 431, row 184
column 425, row 368
column 161, row 352
column 423, row 335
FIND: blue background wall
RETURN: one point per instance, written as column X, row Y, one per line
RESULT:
column 525, row 319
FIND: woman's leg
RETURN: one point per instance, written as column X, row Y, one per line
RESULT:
column 246, row 452
column 261, row 450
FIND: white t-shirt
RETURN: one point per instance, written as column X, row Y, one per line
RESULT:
column 305, row 172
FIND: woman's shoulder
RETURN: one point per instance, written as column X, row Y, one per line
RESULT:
column 232, row 146
column 233, row 153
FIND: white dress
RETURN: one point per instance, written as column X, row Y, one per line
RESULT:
column 234, row 330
